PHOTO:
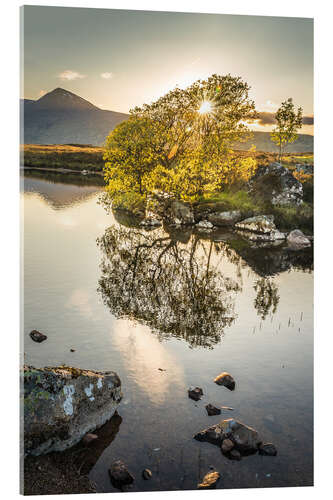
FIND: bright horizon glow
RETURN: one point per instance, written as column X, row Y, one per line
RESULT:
column 205, row 108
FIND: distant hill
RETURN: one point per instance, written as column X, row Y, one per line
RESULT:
column 262, row 141
column 61, row 117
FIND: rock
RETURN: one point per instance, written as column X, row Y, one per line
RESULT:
column 258, row 224
column 89, row 438
column 119, row 474
column 225, row 379
column 273, row 236
column 260, row 228
column 204, row 224
column 37, row 336
column 212, row 410
column 245, row 438
column 72, row 350
column 304, row 167
column 209, row 481
column 297, row 240
column 227, row 445
column 267, row 449
column 147, row 474
column 235, row 454
column 62, row 404
column 178, row 212
column 150, row 222
column 222, row 219
column 195, row 393
column 276, row 184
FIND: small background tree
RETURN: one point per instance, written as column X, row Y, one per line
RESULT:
column 288, row 122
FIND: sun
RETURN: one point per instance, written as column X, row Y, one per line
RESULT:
column 205, row 107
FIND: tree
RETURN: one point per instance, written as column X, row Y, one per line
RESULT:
column 182, row 142
column 288, row 122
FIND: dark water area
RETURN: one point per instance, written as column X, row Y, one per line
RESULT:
column 189, row 303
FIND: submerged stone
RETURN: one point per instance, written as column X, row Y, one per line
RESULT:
column 209, row 481
column 268, row 449
column 147, row 474
column 119, row 474
column 62, row 404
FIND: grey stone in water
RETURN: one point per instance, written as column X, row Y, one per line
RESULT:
column 195, row 393
column 258, row 224
column 62, row 404
column 150, row 222
column 225, row 379
column 273, row 236
column 297, row 240
column 119, row 474
column 147, row 474
column 37, row 336
column 178, row 212
column 212, row 410
column 204, row 224
column 268, row 449
column 209, row 481
column 245, row 438
column 227, row 445
column 228, row 218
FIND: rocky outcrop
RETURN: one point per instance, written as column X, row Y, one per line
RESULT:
column 177, row 212
column 223, row 219
column 260, row 228
column 297, row 240
column 276, row 184
column 244, row 438
column 150, row 222
column 63, row 404
column 267, row 449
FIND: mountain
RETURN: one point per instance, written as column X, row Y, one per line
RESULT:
column 263, row 142
column 61, row 117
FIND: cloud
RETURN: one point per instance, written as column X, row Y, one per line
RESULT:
column 267, row 118
column 70, row 75
column 107, row 76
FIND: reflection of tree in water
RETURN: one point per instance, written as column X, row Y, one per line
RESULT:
column 174, row 288
column 267, row 298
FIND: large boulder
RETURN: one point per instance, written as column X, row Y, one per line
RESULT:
column 227, row 218
column 62, row 404
column 297, row 240
column 276, row 184
column 245, row 439
column 177, row 212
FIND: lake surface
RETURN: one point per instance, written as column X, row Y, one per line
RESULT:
column 193, row 305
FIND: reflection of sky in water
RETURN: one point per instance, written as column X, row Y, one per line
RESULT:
column 271, row 359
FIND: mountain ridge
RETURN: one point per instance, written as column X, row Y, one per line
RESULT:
column 62, row 117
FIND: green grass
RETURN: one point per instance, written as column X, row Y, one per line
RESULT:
column 228, row 200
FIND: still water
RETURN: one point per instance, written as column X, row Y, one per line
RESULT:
column 193, row 305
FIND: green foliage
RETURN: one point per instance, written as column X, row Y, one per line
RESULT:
column 287, row 217
column 288, row 122
column 171, row 145
column 229, row 200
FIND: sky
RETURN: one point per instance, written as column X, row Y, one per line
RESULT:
column 120, row 59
